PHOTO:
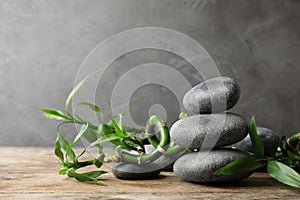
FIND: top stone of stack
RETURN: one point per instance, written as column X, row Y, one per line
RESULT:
column 212, row 96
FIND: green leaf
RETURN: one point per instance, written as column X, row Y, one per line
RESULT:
column 107, row 131
column 257, row 145
column 88, row 176
column 283, row 173
column 292, row 156
column 76, row 88
column 57, row 150
column 84, row 150
column 118, row 131
column 63, row 169
column 126, row 145
column 83, row 164
column 54, row 114
column 64, row 144
column 99, row 162
column 242, row 165
column 133, row 130
column 93, row 107
column 94, row 174
column 78, row 136
column 91, row 135
column 111, row 138
column 120, row 122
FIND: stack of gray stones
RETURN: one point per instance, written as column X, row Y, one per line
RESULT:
column 209, row 132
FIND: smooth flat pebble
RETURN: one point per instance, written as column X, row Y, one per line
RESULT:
column 212, row 96
column 133, row 171
column 268, row 137
column 199, row 167
column 209, row 131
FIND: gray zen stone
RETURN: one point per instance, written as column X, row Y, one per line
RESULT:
column 212, row 96
column 268, row 137
column 133, row 171
column 208, row 131
column 200, row 166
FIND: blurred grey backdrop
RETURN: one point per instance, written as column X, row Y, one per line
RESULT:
column 43, row 43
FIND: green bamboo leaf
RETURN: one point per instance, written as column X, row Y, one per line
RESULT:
column 57, row 150
column 112, row 138
column 128, row 145
column 84, row 150
column 76, row 88
column 120, row 122
column 287, row 161
column 69, row 150
column 79, row 135
column 99, row 162
column 93, row 107
column 283, row 173
column 64, row 144
column 91, row 135
column 118, row 131
column 293, row 156
column 54, row 114
column 133, row 130
column 106, row 130
column 257, row 145
column 94, row 174
column 242, row 165
column 100, row 182
column 88, row 176
column 63, row 169
column 70, row 165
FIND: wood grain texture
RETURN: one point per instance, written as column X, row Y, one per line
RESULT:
column 32, row 173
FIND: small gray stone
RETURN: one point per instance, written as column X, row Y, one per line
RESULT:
column 200, row 166
column 268, row 137
column 208, row 131
column 212, row 96
column 133, row 171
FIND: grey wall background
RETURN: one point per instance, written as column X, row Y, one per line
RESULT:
column 43, row 43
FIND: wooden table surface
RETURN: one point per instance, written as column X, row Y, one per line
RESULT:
column 32, row 173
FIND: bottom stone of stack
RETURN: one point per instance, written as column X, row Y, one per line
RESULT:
column 200, row 166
